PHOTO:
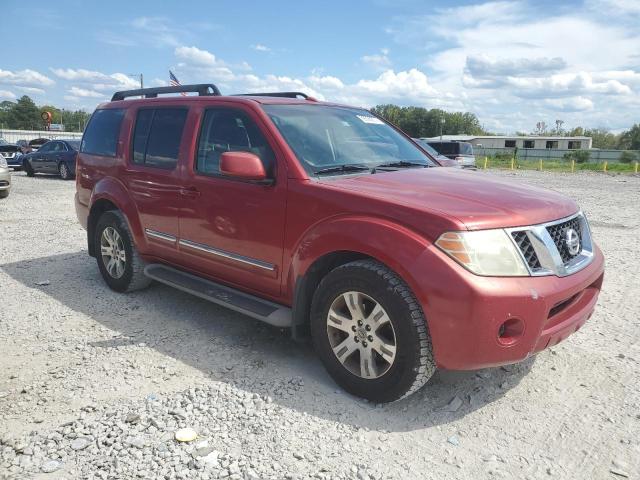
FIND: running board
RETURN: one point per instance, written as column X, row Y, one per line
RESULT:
column 250, row 305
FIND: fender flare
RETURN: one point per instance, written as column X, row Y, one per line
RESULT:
column 115, row 192
column 381, row 239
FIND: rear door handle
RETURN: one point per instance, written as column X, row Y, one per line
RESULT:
column 190, row 192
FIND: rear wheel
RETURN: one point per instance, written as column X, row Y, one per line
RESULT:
column 4, row 193
column 370, row 332
column 65, row 174
column 118, row 260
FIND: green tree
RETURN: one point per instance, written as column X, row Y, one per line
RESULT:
column 421, row 122
column 630, row 140
column 24, row 115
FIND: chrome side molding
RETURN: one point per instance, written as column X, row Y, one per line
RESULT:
column 224, row 254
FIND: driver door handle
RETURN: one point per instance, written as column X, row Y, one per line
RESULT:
column 189, row 192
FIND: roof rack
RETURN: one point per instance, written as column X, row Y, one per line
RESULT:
column 276, row 94
column 202, row 89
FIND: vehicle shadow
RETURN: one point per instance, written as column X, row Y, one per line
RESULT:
column 232, row 348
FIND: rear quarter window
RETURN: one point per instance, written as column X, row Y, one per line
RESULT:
column 157, row 136
column 101, row 135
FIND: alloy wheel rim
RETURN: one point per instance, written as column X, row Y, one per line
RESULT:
column 361, row 335
column 113, row 253
column 63, row 170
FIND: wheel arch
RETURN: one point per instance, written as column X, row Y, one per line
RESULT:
column 341, row 241
column 110, row 194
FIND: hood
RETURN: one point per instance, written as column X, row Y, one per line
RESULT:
column 474, row 198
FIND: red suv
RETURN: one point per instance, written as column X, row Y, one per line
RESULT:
column 326, row 220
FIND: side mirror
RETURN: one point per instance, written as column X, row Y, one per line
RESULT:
column 244, row 165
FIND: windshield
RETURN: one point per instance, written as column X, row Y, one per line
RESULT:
column 323, row 137
column 466, row 148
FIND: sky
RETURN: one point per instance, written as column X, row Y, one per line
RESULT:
column 512, row 63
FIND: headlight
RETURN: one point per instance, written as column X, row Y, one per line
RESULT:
column 3, row 162
column 484, row 252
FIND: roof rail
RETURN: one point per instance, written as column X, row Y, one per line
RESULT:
column 202, row 89
column 276, row 94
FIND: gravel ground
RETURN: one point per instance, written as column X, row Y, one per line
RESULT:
column 94, row 384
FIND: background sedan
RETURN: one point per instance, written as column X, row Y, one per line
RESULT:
column 55, row 157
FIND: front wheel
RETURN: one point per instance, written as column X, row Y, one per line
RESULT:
column 370, row 332
column 65, row 174
column 118, row 260
column 28, row 168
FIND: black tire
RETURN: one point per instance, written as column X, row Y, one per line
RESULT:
column 4, row 193
column 413, row 364
column 28, row 168
column 133, row 277
column 63, row 170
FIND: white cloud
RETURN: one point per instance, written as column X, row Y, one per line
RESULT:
column 260, row 48
column 389, row 84
column 32, row 90
column 413, row 84
column 484, row 66
column 24, row 77
column 6, row 94
column 79, row 74
column 84, row 93
column 379, row 61
column 581, row 59
column 573, row 104
column 158, row 31
column 195, row 56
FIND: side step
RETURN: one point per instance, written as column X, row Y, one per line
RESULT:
column 250, row 305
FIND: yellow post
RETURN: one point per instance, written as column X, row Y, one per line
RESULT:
column 513, row 161
column 636, row 169
column 605, row 167
column 573, row 166
column 540, row 164
column 485, row 163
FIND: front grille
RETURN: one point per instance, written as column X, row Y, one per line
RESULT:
column 558, row 233
column 528, row 252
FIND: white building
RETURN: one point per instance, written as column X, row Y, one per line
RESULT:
column 513, row 141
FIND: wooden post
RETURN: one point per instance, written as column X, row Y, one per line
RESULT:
column 485, row 163
column 604, row 169
column 540, row 164
column 573, row 165
column 636, row 169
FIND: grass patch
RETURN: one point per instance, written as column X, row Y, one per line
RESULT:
column 554, row 165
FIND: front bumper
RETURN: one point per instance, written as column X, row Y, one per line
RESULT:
column 466, row 313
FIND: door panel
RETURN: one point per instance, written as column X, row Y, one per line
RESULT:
column 233, row 230
column 155, row 186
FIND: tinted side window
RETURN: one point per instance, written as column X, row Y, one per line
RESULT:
column 230, row 130
column 101, row 135
column 45, row 148
column 140, row 135
column 156, row 140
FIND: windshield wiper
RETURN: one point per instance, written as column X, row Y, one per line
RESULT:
column 345, row 168
column 402, row 164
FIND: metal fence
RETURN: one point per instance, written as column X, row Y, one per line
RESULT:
column 12, row 136
column 595, row 155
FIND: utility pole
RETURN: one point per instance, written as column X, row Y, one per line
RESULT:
column 441, row 125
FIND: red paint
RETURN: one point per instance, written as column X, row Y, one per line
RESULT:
column 245, row 165
column 392, row 216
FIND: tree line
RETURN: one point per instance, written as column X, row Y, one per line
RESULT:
column 24, row 114
column 422, row 122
